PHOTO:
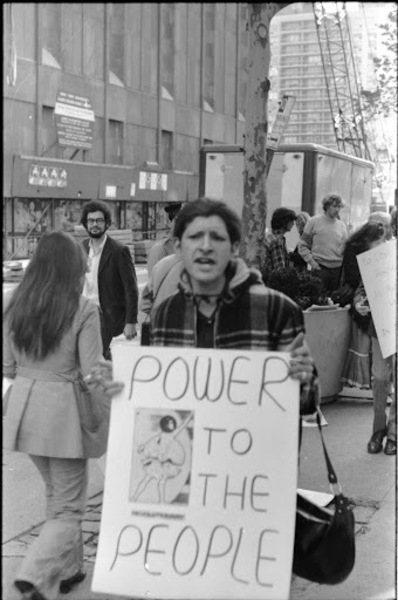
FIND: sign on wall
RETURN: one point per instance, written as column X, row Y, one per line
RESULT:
column 48, row 176
column 199, row 500
column 74, row 120
column 378, row 268
column 153, row 181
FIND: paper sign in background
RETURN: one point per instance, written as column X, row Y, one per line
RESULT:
column 199, row 499
column 378, row 269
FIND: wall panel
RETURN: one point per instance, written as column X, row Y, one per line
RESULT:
column 150, row 47
column 193, row 54
column 133, row 44
column 180, row 48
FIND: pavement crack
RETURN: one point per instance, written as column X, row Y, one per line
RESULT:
column 365, row 502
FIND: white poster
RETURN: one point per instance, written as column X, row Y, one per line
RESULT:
column 201, row 476
column 378, row 269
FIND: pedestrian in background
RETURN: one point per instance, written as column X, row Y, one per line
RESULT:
column 379, row 216
column 356, row 371
column 277, row 256
column 322, row 242
column 162, row 283
column 294, row 257
column 111, row 281
column 164, row 247
column 51, row 337
column 221, row 303
column 383, row 374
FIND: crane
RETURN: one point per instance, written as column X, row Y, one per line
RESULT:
column 341, row 79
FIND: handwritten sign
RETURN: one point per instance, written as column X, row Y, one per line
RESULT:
column 378, row 269
column 201, row 476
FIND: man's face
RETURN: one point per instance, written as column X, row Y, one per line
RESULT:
column 205, row 248
column 333, row 211
column 96, row 226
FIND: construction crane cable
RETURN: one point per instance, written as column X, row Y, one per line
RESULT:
column 340, row 21
column 372, row 56
column 324, row 71
column 358, row 95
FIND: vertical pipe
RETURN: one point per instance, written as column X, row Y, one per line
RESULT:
column 106, row 77
column 39, row 43
column 237, row 71
column 202, row 62
column 159, row 66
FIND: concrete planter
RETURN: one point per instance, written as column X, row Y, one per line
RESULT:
column 328, row 336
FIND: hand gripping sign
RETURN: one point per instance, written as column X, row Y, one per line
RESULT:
column 201, row 475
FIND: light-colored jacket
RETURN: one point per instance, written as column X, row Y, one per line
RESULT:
column 162, row 283
column 40, row 412
column 159, row 250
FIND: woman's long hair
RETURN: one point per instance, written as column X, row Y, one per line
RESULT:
column 44, row 304
column 362, row 237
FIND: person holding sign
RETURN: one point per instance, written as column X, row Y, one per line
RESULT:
column 221, row 303
column 52, row 338
column 383, row 371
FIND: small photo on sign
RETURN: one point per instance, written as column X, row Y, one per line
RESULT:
column 162, row 456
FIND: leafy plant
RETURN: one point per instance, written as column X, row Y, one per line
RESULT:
column 304, row 288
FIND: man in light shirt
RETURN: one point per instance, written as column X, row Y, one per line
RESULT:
column 164, row 247
column 111, row 281
column 323, row 241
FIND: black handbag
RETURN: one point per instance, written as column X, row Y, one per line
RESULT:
column 324, row 544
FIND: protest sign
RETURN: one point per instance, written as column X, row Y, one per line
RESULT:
column 201, row 475
column 378, row 268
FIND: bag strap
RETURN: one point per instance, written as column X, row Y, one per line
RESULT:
column 331, row 472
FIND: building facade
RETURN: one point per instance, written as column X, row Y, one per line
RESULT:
column 113, row 101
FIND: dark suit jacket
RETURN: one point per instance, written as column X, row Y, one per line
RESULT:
column 117, row 285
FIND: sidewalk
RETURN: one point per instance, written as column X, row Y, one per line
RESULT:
column 372, row 548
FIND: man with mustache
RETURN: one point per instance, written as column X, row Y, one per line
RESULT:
column 111, row 280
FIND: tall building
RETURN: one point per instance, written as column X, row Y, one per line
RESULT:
column 297, row 66
column 113, row 101
column 297, row 69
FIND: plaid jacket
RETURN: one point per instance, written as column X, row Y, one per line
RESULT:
column 250, row 316
column 276, row 252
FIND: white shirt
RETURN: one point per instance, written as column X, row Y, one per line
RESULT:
column 90, row 289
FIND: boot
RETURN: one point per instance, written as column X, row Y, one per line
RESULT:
column 375, row 444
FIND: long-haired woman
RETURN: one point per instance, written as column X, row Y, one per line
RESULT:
column 357, row 369
column 51, row 336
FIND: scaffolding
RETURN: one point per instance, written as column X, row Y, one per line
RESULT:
column 341, row 78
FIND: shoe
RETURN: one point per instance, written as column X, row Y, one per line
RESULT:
column 375, row 444
column 390, row 448
column 67, row 584
column 28, row 590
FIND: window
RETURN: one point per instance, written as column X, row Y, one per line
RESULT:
column 93, row 54
column 209, row 55
column 24, row 18
column 167, row 45
column 116, row 50
column 242, row 65
column 166, row 158
column 292, row 37
column 150, row 42
column 72, row 42
column 51, row 24
column 116, row 142
column 49, row 146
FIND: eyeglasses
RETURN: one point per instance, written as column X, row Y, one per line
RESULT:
column 94, row 221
